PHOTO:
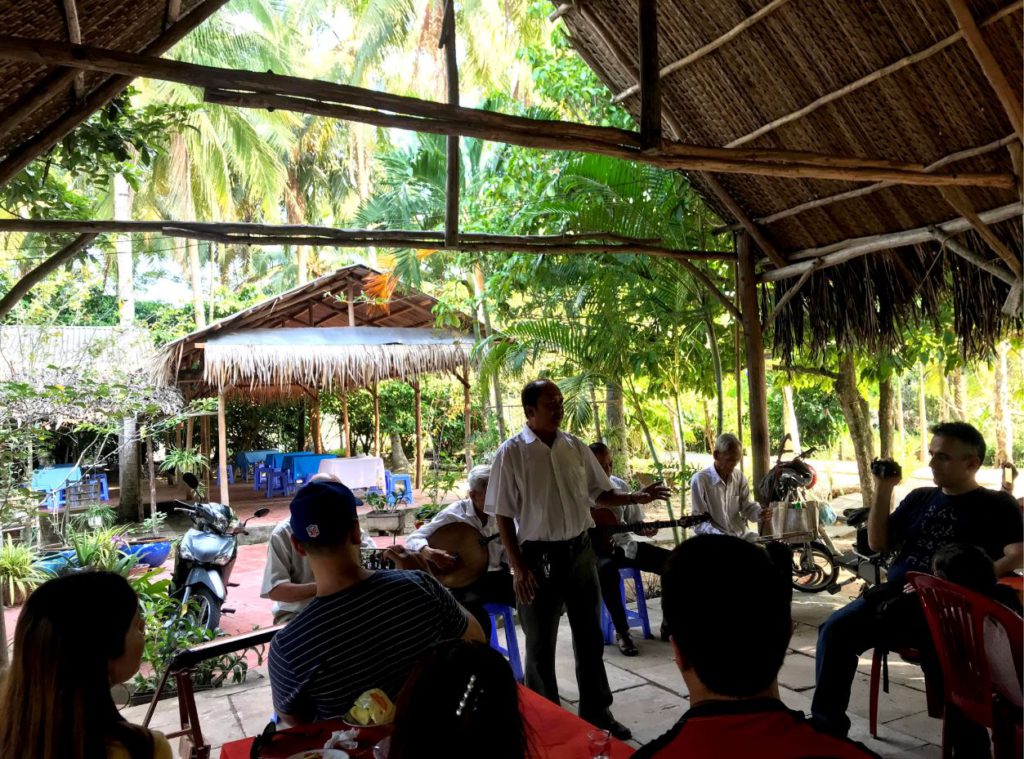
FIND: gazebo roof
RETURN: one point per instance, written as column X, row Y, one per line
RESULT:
column 302, row 340
column 891, row 79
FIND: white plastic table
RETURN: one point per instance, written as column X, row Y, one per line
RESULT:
column 360, row 472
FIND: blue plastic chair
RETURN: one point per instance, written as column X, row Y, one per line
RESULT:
column 259, row 475
column 511, row 649
column 390, row 480
column 231, row 475
column 636, row 618
column 279, row 481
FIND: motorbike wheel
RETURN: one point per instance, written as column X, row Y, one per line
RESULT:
column 813, row 567
column 205, row 608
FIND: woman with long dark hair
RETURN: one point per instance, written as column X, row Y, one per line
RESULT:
column 76, row 637
column 460, row 702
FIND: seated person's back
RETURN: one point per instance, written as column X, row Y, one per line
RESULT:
column 730, row 630
column 364, row 629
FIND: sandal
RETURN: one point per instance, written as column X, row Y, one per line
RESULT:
column 626, row 644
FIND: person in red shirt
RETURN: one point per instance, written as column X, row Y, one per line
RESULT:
column 730, row 629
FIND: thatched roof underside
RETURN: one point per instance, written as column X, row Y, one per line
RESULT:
column 300, row 341
column 796, row 54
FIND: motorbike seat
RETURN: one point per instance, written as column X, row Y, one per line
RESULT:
column 857, row 517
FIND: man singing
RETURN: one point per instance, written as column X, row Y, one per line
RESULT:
column 542, row 483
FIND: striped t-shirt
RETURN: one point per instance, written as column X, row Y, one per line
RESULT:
column 367, row 636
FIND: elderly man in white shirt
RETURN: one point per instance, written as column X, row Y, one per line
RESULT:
column 721, row 490
column 495, row 586
column 543, row 481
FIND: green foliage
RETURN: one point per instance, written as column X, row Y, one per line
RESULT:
column 19, row 574
column 185, row 460
column 818, row 414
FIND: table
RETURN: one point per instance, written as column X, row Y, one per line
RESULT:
column 275, row 459
column 55, row 477
column 304, row 465
column 360, row 472
column 556, row 733
column 246, row 459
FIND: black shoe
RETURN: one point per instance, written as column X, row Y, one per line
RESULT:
column 626, row 644
column 665, row 634
column 607, row 722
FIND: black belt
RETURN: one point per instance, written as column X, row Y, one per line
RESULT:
column 553, row 545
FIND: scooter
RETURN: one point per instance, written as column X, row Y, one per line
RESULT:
column 206, row 556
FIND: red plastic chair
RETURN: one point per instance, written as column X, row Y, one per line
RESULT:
column 957, row 620
column 880, row 681
column 1004, row 652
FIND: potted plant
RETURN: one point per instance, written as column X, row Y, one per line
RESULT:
column 384, row 517
column 183, row 460
column 146, row 542
column 19, row 574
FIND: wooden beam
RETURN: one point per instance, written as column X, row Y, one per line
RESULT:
column 874, row 76
column 846, row 250
column 753, row 339
column 700, row 52
column 224, row 87
column 418, row 399
column 27, row 151
column 173, row 11
column 39, row 273
column 992, row 267
column 961, row 155
column 650, row 94
column 351, row 301
column 222, row 449
column 960, row 203
column 560, row 11
column 787, row 297
column 741, row 216
column 452, row 158
column 705, row 280
column 1009, row 97
column 74, row 36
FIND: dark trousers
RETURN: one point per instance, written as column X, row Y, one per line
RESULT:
column 856, row 628
column 649, row 558
column 492, row 588
column 566, row 574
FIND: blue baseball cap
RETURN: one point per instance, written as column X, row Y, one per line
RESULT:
column 323, row 512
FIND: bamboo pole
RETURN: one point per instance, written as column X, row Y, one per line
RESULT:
column 710, row 47
column 376, row 419
column 846, row 250
column 204, row 448
column 736, row 358
column 1009, row 97
column 741, row 216
column 991, row 267
column 467, row 411
column 222, row 449
column 451, row 219
column 787, row 297
column 417, row 394
column 756, row 375
column 960, row 203
column 869, row 78
column 43, row 270
column 650, row 94
column 74, row 36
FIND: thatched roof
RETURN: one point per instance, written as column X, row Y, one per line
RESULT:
column 301, row 341
column 39, row 105
column 788, row 68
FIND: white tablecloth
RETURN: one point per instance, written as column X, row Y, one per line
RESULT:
column 363, row 472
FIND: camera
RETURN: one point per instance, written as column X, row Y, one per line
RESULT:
column 883, row 468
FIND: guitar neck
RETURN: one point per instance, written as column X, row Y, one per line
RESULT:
column 642, row 526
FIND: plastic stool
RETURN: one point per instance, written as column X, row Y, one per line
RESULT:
column 259, row 475
column 279, row 481
column 636, row 618
column 231, row 475
column 511, row 650
column 390, row 480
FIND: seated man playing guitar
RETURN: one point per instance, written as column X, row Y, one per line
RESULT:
column 616, row 550
column 460, row 547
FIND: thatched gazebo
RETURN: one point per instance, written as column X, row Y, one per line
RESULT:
column 330, row 334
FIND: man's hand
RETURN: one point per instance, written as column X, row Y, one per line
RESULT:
column 765, row 515
column 656, row 491
column 889, row 482
column 525, row 584
column 442, row 561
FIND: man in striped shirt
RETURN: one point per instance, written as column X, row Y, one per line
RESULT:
column 364, row 629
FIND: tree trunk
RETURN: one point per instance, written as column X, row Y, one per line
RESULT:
column 195, row 270
column 709, row 435
column 399, row 462
column 945, row 401
column 5, row 660
column 152, row 476
column 960, row 393
column 789, row 421
column 1004, row 430
column 130, row 499
column 886, row 416
column 597, row 414
column 654, row 453
column 922, row 414
column 898, row 392
column 858, row 420
column 716, row 365
column 376, row 419
column 615, row 421
column 314, row 426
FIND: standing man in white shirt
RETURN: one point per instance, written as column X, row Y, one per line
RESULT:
column 542, row 483
column 721, row 490
column 495, row 586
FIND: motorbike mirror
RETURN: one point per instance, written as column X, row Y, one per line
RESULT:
column 191, row 480
column 260, row 513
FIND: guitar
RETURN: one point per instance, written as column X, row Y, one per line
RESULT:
column 607, row 524
column 468, row 546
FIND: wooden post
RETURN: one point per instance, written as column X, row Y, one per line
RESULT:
column 151, row 465
column 467, row 409
column 351, row 307
column 737, row 366
column 376, row 419
column 314, row 425
column 650, row 73
column 451, row 220
column 344, row 422
column 190, row 427
column 753, row 338
column 419, row 433
column 222, row 449
column 204, row 448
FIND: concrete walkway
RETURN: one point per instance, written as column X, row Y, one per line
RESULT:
column 649, row 692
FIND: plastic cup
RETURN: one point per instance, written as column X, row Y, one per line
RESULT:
column 599, row 743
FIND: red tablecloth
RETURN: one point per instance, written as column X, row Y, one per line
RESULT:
column 557, row 733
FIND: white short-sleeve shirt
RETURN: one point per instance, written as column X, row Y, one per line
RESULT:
column 546, row 489
column 460, row 511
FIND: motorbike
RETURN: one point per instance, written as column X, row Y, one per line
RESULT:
column 206, row 556
column 816, row 560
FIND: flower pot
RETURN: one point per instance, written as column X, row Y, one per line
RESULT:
column 55, row 561
column 386, row 521
column 152, row 552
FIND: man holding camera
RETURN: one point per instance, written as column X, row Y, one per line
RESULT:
column 957, row 510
